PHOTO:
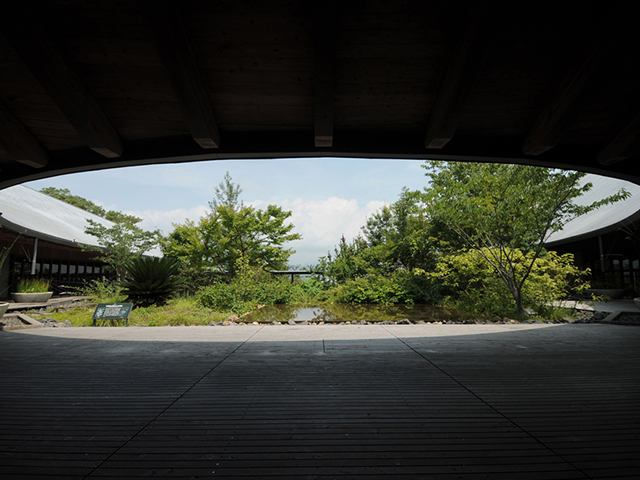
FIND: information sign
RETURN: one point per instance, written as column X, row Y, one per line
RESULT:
column 112, row 311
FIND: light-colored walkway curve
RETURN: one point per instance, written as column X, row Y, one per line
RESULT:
column 321, row 402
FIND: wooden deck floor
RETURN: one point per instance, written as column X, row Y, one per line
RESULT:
column 321, row 402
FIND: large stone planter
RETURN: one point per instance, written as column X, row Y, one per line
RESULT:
column 37, row 297
column 3, row 308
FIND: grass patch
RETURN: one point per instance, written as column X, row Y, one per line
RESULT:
column 179, row 311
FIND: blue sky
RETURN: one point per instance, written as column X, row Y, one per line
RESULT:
column 329, row 197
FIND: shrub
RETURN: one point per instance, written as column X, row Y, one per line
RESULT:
column 471, row 283
column 401, row 287
column 150, row 280
column 250, row 288
column 33, row 285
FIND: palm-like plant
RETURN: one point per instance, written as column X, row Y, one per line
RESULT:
column 150, row 280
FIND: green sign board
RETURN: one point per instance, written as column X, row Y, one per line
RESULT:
column 112, row 311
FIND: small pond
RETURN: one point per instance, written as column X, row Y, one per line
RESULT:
column 354, row 313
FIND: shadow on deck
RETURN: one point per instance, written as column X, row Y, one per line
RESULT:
column 414, row 401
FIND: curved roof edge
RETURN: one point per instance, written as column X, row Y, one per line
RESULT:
column 34, row 214
column 605, row 219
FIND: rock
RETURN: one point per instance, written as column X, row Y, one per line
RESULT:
column 404, row 321
column 364, row 322
column 291, row 322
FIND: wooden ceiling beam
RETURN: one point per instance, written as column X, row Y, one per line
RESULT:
column 179, row 61
column 60, row 81
column 324, row 76
column 19, row 142
column 462, row 73
column 624, row 145
column 556, row 116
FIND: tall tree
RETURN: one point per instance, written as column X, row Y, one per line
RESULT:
column 502, row 210
column 233, row 232
column 399, row 234
column 227, row 194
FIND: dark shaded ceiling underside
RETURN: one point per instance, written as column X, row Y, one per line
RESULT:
column 91, row 85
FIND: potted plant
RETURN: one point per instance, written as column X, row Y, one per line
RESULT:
column 32, row 290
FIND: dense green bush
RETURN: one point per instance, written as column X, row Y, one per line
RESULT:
column 150, row 280
column 400, row 287
column 250, row 288
column 470, row 283
column 253, row 286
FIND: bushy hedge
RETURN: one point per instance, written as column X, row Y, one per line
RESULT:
column 400, row 287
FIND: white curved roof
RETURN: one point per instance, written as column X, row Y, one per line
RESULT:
column 605, row 219
column 38, row 215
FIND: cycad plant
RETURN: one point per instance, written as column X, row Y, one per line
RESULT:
column 150, row 280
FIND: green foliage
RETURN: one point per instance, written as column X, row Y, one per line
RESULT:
column 227, row 194
column 386, row 263
column 250, row 288
column 177, row 311
column 65, row 195
column 150, row 280
column 231, row 233
column 401, row 287
column 102, row 290
column 396, row 238
column 118, row 244
column 471, row 283
column 502, row 209
column 121, row 243
column 33, row 285
column 346, row 263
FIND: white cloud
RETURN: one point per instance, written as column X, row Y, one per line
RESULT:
column 322, row 222
column 152, row 219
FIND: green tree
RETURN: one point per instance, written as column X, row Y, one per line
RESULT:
column 118, row 244
column 502, row 210
column 398, row 236
column 233, row 232
column 395, row 238
column 227, row 194
column 65, row 195
column 121, row 243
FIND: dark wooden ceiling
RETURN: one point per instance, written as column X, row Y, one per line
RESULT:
column 91, row 85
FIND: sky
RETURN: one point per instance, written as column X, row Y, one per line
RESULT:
column 328, row 197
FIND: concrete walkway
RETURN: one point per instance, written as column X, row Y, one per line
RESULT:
column 321, row 402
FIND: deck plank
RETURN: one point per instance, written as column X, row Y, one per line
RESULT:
column 415, row 401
